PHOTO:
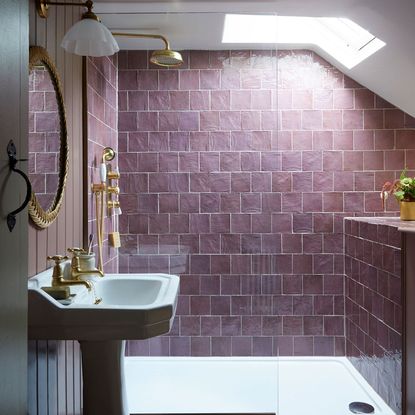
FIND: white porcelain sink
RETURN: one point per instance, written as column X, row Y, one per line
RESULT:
column 133, row 306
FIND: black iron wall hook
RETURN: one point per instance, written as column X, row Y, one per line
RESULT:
column 11, row 152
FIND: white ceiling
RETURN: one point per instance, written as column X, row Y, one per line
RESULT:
column 390, row 72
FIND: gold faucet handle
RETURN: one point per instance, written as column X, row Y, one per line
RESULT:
column 57, row 258
column 57, row 269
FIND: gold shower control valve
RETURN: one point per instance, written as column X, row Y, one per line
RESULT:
column 112, row 204
column 113, row 175
column 113, row 189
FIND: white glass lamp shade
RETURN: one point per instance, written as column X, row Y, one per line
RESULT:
column 89, row 37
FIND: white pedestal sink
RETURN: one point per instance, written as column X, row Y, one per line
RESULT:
column 133, row 306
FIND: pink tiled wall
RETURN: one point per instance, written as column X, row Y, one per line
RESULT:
column 374, row 304
column 102, row 84
column 237, row 172
column 44, row 137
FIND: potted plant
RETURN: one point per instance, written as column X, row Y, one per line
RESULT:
column 404, row 191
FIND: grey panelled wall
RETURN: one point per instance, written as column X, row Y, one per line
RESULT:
column 13, row 261
column 54, row 377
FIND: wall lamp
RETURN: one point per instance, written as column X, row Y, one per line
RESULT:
column 88, row 37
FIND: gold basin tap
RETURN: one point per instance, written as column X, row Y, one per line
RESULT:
column 76, row 270
column 57, row 276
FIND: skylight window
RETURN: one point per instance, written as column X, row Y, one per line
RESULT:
column 344, row 40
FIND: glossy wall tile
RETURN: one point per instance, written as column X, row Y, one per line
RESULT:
column 238, row 170
column 102, row 112
column 374, row 305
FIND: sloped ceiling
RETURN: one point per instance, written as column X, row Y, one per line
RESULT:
column 389, row 73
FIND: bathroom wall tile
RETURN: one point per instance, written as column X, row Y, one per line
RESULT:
column 374, row 119
column 241, row 346
column 332, row 161
column 384, row 139
column 136, row 59
column 322, row 140
column 220, row 100
column 371, row 307
column 209, row 79
column 221, row 346
column 188, row 80
column 324, row 346
column 261, row 99
column 254, row 181
column 127, row 121
column 343, row 99
column 405, row 139
column 353, row 119
column 283, row 346
column 291, row 120
column 219, row 59
column 168, row 80
column 127, row 80
column 332, row 120
column 342, row 140
column 147, row 80
column 103, row 80
column 409, row 120
column 312, row 120
column 303, row 346
column 180, row 346
column 364, row 99
column 394, row 160
column 200, row 346
column 250, row 79
column 230, row 78
column 262, row 346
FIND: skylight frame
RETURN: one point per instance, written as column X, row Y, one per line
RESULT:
column 327, row 33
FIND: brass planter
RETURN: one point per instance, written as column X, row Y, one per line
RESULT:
column 407, row 210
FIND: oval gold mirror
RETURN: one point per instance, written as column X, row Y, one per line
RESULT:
column 48, row 139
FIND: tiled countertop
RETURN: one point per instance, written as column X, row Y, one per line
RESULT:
column 394, row 221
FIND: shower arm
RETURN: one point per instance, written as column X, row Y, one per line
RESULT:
column 145, row 36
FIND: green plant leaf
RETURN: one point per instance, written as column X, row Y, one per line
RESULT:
column 399, row 194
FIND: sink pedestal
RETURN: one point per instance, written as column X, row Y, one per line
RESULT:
column 103, row 377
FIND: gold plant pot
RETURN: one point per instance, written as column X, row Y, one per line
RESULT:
column 407, row 210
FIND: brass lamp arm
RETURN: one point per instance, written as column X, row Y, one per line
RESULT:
column 142, row 35
column 42, row 6
column 61, row 3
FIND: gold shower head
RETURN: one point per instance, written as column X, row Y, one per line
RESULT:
column 165, row 57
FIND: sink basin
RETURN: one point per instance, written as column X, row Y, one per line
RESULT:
column 129, row 291
column 133, row 306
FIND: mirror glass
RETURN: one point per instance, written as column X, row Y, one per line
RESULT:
column 47, row 142
column 44, row 136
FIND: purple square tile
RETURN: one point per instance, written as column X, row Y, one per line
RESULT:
column 241, row 346
column 262, row 346
column 303, row 346
column 221, row 346
column 200, row 346
column 179, row 346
